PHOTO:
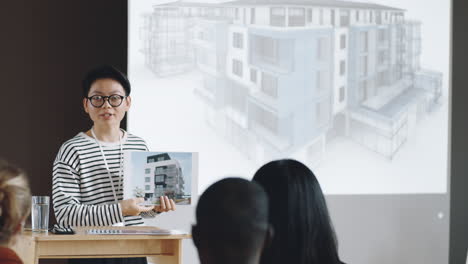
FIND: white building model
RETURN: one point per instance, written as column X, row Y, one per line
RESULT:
column 163, row 176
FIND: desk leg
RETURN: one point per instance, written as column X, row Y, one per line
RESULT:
column 175, row 257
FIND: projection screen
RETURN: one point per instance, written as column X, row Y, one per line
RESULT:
column 357, row 90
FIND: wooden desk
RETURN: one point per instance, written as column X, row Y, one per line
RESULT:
column 161, row 249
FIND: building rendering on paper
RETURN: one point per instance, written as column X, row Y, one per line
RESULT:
column 282, row 77
column 163, row 177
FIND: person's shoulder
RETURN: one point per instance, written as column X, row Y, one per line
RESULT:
column 72, row 144
column 133, row 138
column 136, row 141
column 76, row 141
column 9, row 256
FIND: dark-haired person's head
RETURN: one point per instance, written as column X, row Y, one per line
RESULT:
column 106, row 96
column 15, row 202
column 232, row 222
column 298, row 212
column 105, row 72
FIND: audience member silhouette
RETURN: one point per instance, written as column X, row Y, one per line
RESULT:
column 232, row 223
column 298, row 213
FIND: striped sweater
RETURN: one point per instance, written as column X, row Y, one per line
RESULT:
column 81, row 189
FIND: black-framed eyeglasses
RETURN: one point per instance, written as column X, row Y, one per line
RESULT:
column 114, row 100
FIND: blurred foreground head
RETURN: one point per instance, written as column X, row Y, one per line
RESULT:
column 15, row 201
column 232, row 222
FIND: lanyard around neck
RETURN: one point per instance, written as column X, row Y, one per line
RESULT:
column 107, row 165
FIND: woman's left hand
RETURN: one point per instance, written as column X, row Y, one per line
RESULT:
column 165, row 205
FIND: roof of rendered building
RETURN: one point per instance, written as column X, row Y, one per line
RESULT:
column 326, row 3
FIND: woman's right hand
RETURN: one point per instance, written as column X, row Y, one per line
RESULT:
column 130, row 207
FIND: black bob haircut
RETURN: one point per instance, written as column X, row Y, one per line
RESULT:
column 105, row 72
column 304, row 232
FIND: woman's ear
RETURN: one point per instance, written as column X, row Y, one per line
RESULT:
column 85, row 104
column 129, row 102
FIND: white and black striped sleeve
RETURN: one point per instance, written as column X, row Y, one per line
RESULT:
column 67, row 196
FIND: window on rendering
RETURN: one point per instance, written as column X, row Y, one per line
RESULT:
column 321, row 17
column 382, row 35
column 252, row 16
column 309, row 15
column 270, row 48
column 266, row 48
column 147, row 179
column 364, row 66
column 244, row 15
column 253, row 75
column 237, row 40
column 159, row 189
column 321, row 80
column 159, row 178
column 343, row 41
column 344, row 18
column 147, row 171
column 342, row 94
column 364, row 41
column 237, row 67
column 332, row 17
column 269, row 85
column 342, row 67
column 378, row 17
column 322, row 48
column 296, row 17
column 362, row 91
column 382, row 57
column 278, row 16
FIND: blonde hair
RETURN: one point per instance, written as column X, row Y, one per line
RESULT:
column 15, row 200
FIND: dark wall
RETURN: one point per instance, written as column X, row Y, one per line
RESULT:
column 459, row 153
column 45, row 49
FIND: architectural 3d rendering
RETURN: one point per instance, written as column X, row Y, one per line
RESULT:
column 289, row 77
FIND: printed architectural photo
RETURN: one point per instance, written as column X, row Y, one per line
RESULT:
column 154, row 174
column 315, row 80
